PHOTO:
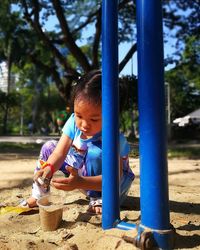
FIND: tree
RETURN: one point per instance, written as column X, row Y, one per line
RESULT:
column 190, row 63
column 73, row 18
column 72, row 47
column 184, row 80
column 66, row 59
column 181, row 20
column 10, row 48
column 7, row 102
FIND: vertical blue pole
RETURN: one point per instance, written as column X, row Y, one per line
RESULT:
column 152, row 124
column 110, row 123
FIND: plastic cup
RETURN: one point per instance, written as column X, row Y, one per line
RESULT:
column 51, row 211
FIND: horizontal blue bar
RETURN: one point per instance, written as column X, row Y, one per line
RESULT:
column 126, row 226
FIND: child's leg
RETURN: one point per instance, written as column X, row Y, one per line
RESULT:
column 45, row 152
column 38, row 191
column 125, row 184
column 95, row 205
column 93, row 167
column 47, row 149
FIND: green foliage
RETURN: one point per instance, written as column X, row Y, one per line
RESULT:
column 184, row 81
column 11, row 99
column 191, row 60
column 184, row 152
column 8, row 105
column 174, row 151
column 76, row 22
column 20, row 148
column 128, row 92
column 46, row 61
column 33, row 149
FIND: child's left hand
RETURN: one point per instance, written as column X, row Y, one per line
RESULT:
column 68, row 184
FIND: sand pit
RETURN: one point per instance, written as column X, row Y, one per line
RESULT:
column 79, row 229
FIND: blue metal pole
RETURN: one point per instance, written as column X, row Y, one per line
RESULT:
column 152, row 123
column 110, row 123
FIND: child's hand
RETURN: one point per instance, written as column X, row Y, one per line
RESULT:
column 43, row 173
column 68, row 184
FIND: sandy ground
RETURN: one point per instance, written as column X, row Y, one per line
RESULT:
column 80, row 230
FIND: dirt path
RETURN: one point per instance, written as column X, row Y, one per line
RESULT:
column 79, row 230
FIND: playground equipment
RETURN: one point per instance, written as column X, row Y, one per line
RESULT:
column 155, row 229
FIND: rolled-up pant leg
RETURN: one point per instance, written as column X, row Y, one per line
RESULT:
column 45, row 152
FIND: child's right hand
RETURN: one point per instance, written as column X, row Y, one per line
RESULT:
column 43, row 173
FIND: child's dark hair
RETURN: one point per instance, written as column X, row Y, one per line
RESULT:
column 88, row 87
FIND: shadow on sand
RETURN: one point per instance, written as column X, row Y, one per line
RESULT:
column 181, row 241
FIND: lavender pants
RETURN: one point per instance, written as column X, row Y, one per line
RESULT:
column 92, row 167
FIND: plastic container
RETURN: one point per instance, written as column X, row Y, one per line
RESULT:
column 51, row 211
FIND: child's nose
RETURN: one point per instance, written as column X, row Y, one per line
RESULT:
column 85, row 124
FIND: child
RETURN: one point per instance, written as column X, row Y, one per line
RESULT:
column 78, row 154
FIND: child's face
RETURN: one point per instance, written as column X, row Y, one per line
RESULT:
column 88, row 117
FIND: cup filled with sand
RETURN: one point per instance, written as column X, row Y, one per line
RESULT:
column 51, row 211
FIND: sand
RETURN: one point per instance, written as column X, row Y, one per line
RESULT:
column 81, row 230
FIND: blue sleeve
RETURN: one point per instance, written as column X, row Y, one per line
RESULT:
column 69, row 128
column 124, row 146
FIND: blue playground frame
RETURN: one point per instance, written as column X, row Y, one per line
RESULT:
column 154, row 200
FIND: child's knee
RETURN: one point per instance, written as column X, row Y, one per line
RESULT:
column 47, row 149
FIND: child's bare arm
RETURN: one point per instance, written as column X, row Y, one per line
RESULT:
column 58, row 156
column 56, row 159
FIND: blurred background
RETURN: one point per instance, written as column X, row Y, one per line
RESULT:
column 46, row 45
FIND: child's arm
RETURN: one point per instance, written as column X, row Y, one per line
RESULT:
column 56, row 159
column 74, row 181
column 59, row 154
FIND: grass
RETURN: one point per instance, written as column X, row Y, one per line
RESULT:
column 20, row 148
column 174, row 151
column 33, row 149
column 186, row 152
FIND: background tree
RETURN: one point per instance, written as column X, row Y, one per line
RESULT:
column 9, row 44
column 73, row 45
column 184, row 80
column 74, row 50
column 8, row 102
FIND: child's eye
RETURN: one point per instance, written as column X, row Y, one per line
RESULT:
column 78, row 116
